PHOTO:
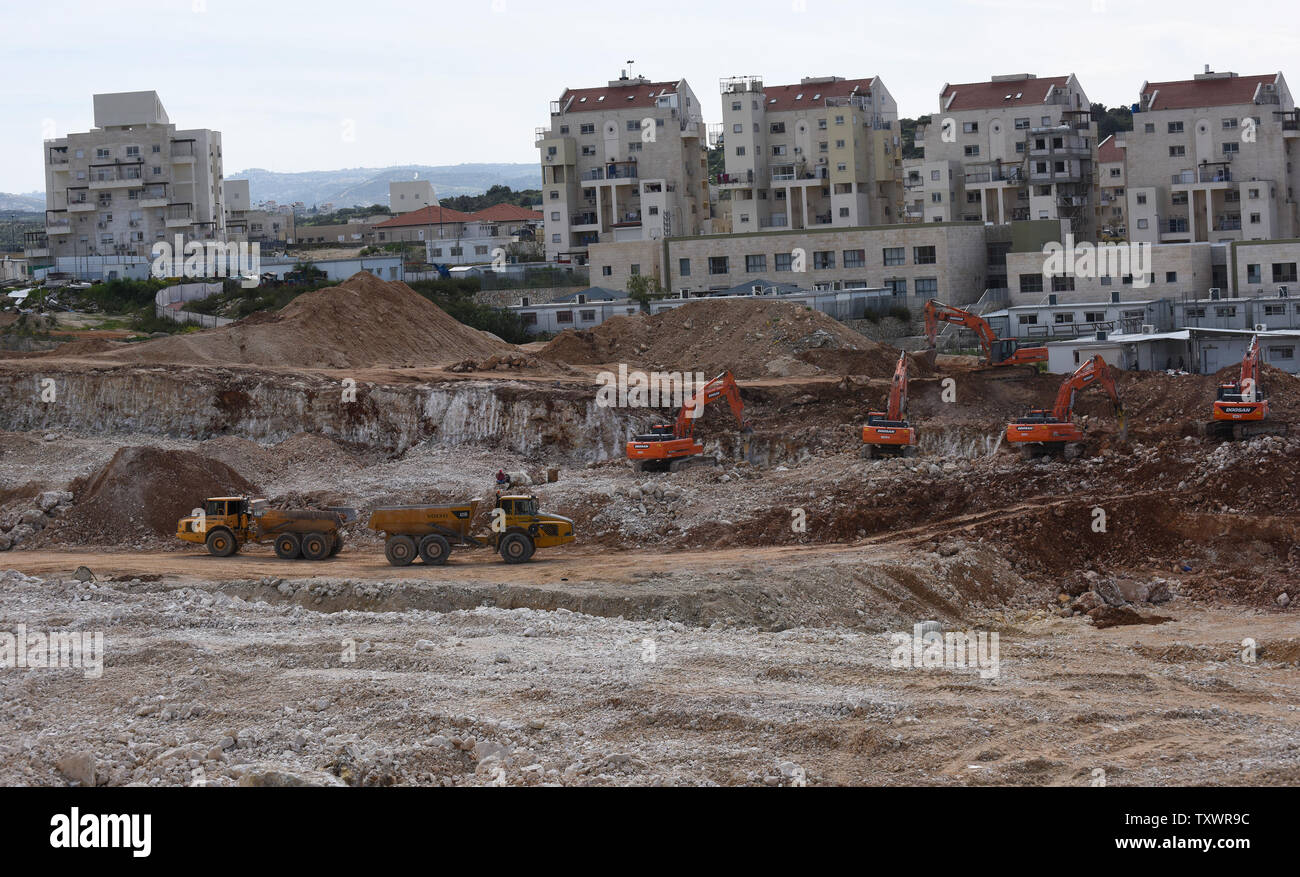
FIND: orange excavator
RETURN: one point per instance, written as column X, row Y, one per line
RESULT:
column 1052, row 432
column 997, row 351
column 1240, row 409
column 669, row 446
column 888, row 432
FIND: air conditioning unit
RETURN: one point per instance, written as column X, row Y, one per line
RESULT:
column 1260, row 327
column 1215, row 292
column 1148, row 329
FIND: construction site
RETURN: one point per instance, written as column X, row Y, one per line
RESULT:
column 355, row 542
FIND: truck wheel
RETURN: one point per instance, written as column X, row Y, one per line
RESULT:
column 287, row 546
column 434, row 549
column 516, row 548
column 315, row 546
column 400, row 550
column 221, row 543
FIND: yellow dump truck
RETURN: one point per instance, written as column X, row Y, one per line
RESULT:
column 225, row 523
column 515, row 529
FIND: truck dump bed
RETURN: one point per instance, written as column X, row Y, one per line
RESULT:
column 298, row 521
column 451, row 519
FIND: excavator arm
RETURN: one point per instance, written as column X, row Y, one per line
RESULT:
column 722, row 387
column 898, row 390
column 937, row 312
column 1094, row 371
column 1248, row 385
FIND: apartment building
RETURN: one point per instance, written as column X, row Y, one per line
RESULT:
column 824, row 152
column 1015, row 148
column 623, row 162
column 134, row 179
column 1174, row 271
column 405, row 196
column 454, row 237
column 244, row 222
column 1212, row 159
column 1111, row 183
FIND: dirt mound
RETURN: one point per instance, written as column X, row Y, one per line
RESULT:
column 141, row 493
column 360, row 323
column 754, row 339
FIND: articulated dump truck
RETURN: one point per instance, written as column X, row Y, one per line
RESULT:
column 226, row 523
column 515, row 530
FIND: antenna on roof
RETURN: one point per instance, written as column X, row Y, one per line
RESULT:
column 627, row 74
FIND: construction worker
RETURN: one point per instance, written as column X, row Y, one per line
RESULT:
column 503, row 480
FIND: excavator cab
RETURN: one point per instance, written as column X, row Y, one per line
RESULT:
column 1002, row 350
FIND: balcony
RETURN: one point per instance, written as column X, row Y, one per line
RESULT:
column 35, row 245
column 620, row 170
column 1211, row 173
column 183, row 152
column 996, row 175
column 578, row 220
column 1228, row 224
column 739, row 179
column 179, row 215
column 774, row 222
column 540, row 134
column 116, row 176
column 153, row 196
column 631, row 219
column 81, row 206
column 58, row 159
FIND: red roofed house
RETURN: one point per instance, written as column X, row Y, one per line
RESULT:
column 823, row 153
column 1211, row 158
column 456, row 238
column 626, row 162
column 1016, row 147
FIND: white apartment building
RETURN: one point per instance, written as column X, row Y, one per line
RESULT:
column 1212, row 159
column 1112, row 210
column 134, row 179
column 407, row 195
column 1014, row 148
column 824, row 153
column 623, row 162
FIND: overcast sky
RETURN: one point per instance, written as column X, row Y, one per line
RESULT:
column 450, row 82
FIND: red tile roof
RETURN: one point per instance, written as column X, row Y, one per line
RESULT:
column 1107, row 150
column 640, row 95
column 795, row 97
column 426, row 216
column 991, row 95
column 507, row 213
column 1190, row 93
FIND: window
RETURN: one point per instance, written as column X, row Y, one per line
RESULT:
column 1281, row 353
column 1062, row 284
column 1253, row 274
column 1252, row 193
column 936, row 198
column 1231, row 147
column 777, row 127
column 927, row 286
column 684, row 267
column 1274, row 310
column 588, row 150
column 606, row 270
column 839, row 120
column 844, row 212
column 970, row 127
column 1171, row 277
column 923, row 256
column 587, row 316
column 897, row 285
column 1178, row 199
column 855, row 258
column 779, row 149
column 634, row 269
column 821, row 124
column 480, row 250
column 783, row 261
column 1196, row 313
column 555, row 216
column 1176, row 151
column 564, row 316
column 589, row 128
column 740, row 150
column 1031, row 283
column 1029, row 319
column 755, row 264
column 719, row 265
column 1284, row 272
column 972, row 150
column 156, row 149
column 1141, row 198
column 1175, row 127
column 530, row 319
column 1022, row 124
column 555, row 194
column 1226, row 311
column 737, row 128
column 1254, row 219
column 633, row 125
column 735, row 106
column 1149, row 128
column 1142, row 223
column 823, row 260
column 1115, row 172
column 1062, row 318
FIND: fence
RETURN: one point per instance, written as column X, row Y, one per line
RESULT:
column 165, row 299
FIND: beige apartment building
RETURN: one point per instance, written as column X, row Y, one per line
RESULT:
column 623, row 162
column 1015, row 148
column 131, row 181
column 821, row 153
column 255, row 225
column 1112, row 209
column 1212, row 158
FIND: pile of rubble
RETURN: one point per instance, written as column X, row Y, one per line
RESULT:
column 18, row 530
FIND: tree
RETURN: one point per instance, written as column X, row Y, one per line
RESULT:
column 643, row 289
column 1111, row 121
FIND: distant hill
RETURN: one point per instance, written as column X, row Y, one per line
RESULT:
column 31, row 201
column 365, row 186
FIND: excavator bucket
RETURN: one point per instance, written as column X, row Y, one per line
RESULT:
column 927, row 357
column 1123, row 425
